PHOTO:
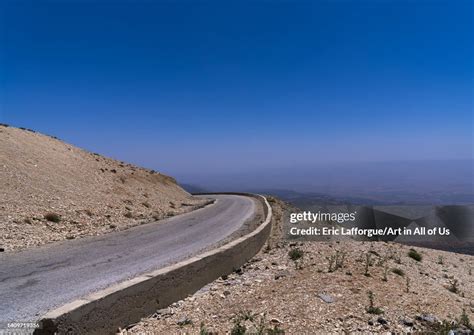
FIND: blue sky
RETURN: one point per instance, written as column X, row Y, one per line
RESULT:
column 191, row 87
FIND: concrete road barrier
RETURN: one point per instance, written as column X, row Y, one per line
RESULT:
column 126, row 303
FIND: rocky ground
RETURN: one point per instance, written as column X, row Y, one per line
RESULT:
column 52, row 191
column 329, row 287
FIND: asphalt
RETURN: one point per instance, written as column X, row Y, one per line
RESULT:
column 32, row 282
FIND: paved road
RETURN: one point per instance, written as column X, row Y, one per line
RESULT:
column 35, row 281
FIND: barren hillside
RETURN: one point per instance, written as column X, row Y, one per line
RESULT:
column 53, row 191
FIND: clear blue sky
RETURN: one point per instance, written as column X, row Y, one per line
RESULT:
column 186, row 86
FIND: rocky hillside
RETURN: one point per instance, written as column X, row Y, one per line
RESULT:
column 53, row 191
column 329, row 287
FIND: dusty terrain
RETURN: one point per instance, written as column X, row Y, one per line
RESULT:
column 53, row 191
column 327, row 290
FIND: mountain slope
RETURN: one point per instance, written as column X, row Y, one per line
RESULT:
column 52, row 191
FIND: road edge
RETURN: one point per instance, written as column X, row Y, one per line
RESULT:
column 125, row 303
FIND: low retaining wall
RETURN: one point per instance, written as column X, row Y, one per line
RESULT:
column 126, row 303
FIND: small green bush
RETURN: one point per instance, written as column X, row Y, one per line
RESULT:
column 238, row 329
column 295, row 254
column 52, row 217
column 372, row 309
column 336, row 261
column 203, row 330
column 464, row 320
column 415, row 255
column 275, row 331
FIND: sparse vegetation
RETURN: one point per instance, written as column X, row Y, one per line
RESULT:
column 464, row 320
column 388, row 307
column 454, row 286
column 239, row 328
column 371, row 309
column 398, row 271
column 146, row 204
column 397, row 259
column 440, row 260
column 368, row 263
column 185, row 321
column 52, row 217
column 128, row 215
column 258, row 326
column 461, row 325
column 415, row 255
column 443, row 328
column 27, row 129
column 203, row 330
column 375, row 253
column 336, row 261
column 331, row 261
column 295, row 254
column 276, row 330
column 381, row 262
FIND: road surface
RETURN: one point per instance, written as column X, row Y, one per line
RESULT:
column 35, row 281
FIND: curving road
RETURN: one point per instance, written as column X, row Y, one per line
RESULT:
column 35, row 281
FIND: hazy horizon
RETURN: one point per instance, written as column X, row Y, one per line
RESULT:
column 448, row 181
